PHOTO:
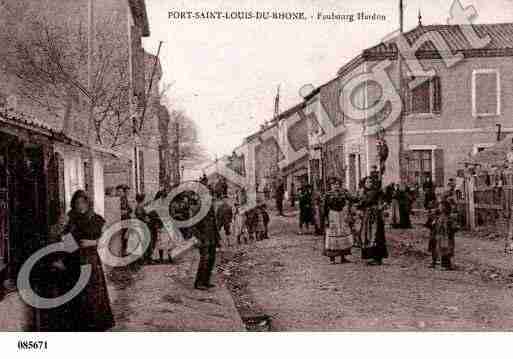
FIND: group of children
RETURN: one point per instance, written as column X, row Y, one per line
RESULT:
column 251, row 225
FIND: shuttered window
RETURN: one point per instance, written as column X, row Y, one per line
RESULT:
column 485, row 93
column 426, row 97
column 419, row 164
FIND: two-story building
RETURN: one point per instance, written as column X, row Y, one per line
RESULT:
column 448, row 114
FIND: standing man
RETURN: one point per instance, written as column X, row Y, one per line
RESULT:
column 292, row 194
column 207, row 234
column 280, row 193
column 224, row 217
column 126, row 212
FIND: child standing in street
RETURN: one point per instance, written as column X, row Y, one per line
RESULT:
column 164, row 245
column 239, row 226
column 442, row 244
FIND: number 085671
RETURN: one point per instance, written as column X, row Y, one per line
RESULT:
column 32, row 345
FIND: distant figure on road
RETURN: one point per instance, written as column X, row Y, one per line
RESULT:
column 240, row 230
column 292, row 195
column 224, row 217
column 126, row 213
column 305, row 208
column 279, row 195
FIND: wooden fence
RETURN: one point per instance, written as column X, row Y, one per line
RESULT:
column 485, row 199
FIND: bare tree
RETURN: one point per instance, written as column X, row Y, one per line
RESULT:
column 48, row 58
column 188, row 137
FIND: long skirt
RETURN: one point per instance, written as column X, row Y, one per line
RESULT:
column 338, row 237
column 93, row 302
column 374, row 242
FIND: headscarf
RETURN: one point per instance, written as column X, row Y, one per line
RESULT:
column 74, row 212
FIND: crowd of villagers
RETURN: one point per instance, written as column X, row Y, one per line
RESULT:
column 357, row 220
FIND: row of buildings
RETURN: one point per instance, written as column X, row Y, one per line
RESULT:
column 457, row 83
column 44, row 158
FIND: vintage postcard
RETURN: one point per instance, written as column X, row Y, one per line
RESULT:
column 243, row 166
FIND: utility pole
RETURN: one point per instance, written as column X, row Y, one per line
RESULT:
column 176, row 150
column 148, row 95
column 89, row 176
column 402, row 169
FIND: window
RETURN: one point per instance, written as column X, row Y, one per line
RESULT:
column 420, row 165
column 423, row 162
column 486, row 93
column 426, row 96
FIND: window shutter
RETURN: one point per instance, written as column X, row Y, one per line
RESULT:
column 439, row 168
column 409, row 171
column 141, row 171
column 407, row 100
column 437, row 95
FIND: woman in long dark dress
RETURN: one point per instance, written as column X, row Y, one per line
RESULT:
column 305, row 209
column 90, row 310
column 374, row 243
column 405, row 200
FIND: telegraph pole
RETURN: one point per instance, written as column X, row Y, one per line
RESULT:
column 89, row 177
column 176, row 150
column 402, row 169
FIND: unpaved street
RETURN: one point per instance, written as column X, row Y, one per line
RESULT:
column 287, row 278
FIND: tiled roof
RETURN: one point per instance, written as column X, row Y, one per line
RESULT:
column 20, row 120
column 500, row 44
column 32, row 123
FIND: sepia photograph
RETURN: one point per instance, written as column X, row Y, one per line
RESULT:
column 229, row 166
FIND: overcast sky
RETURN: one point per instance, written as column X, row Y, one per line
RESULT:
column 225, row 73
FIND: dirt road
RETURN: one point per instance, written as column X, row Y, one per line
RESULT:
column 287, row 278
